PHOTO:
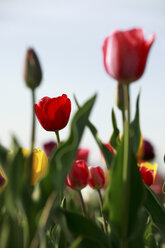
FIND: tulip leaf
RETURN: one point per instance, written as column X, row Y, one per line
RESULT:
column 63, row 157
column 135, row 128
column 114, row 140
column 80, row 226
column 123, row 198
column 3, row 155
column 155, row 208
column 108, row 156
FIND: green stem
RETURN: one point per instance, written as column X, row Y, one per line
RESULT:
column 101, row 210
column 33, row 121
column 126, row 169
column 58, row 138
column 82, row 203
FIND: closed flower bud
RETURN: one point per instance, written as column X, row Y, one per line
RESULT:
column 3, row 180
column 147, row 172
column 39, row 166
column 125, row 54
column 96, row 177
column 32, row 70
column 78, row 176
column 53, row 113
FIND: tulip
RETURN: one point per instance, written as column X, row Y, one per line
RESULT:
column 39, row 164
column 78, row 176
column 148, row 172
column 145, row 151
column 82, row 154
column 49, row 147
column 96, row 177
column 3, row 180
column 125, row 54
column 53, row 113
column 32, row 70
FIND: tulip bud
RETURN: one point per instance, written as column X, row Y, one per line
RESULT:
column 78, row 175
column 119, row 96
column 32, row 70
column 96, row 177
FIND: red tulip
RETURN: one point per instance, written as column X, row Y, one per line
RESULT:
column 53, row 113
column 96, row 177
column 147, row 175
column 125, row 54
column 82, row 154
column 78, row 175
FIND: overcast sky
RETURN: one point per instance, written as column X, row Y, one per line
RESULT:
column 67, row 36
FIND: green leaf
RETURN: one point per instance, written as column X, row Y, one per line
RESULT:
column 114, row 140
column 108, row 156
column 123, row 219
column 63, row 157
column 80, row 226
column 135, row 129
column 155, row 208
column 3, row 155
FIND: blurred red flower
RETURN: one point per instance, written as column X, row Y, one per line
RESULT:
column 53, row 113
column 78, row 175
column 96, row 177
column 125, row 54
column 82, row 154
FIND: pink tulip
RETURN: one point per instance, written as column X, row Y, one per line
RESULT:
column 82, row 154
column 125, row 54
column 96, row 177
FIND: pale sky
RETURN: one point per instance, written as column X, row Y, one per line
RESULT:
column 67, row 36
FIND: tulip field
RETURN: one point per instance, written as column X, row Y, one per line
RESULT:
column 41, row 199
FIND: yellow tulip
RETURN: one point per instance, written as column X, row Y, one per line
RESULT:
column 3, row 180
column 39, row 166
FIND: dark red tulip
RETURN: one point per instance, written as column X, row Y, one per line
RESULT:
column 125, row 54
column 96, row 177
column 48, row 147
column 53, row 113
column 78, row 175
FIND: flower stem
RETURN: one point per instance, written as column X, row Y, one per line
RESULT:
column 101, row 210
column 82, row 203
column 33, row 121
column 58, row 138
column 126, row 169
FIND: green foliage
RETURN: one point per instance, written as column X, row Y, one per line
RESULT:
column 108, row 156
column 114, row 140
column 75, row 226
column 124, row 198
